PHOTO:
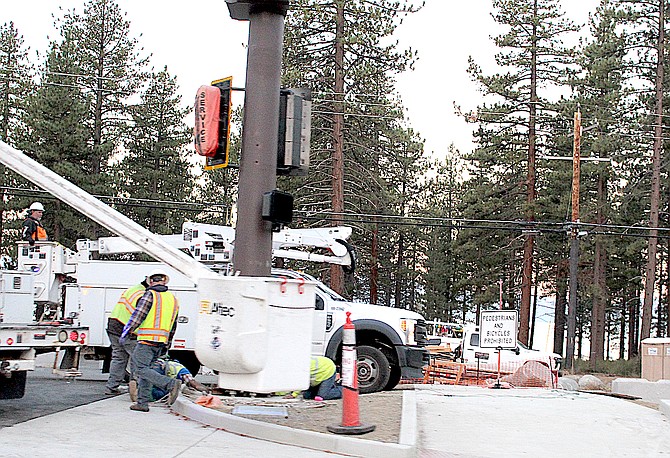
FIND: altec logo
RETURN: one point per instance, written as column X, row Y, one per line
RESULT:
column 10, row 341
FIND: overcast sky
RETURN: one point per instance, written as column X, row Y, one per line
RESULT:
column 199, row 42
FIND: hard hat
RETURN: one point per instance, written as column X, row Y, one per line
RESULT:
column 36, row 206
column 157, row 272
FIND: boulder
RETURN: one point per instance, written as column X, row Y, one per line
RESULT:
column 568, row 384
column 591, row 382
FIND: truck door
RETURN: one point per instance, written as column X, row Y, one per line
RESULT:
column 472, row 352
column 319, row 324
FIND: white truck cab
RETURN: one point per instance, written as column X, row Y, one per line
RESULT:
column 476, row 357
column 389, row 341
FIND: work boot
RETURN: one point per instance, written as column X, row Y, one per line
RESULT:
column 174, row 392
column 139, row 407
column 112, row 391
column 132, row 390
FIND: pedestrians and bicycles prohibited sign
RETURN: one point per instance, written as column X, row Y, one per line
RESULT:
column 498, row 328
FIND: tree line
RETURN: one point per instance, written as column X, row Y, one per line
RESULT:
column 447, row 233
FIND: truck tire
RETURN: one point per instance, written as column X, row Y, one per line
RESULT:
column 373, row 369
column 394, row 378
column 13, row 387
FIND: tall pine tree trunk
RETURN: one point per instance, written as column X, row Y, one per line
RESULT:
column 633, row 318
column 650, row 270
column 622, row 333
column 336, row 274
column 599, row 283
column 374, row 266
column 528, row 247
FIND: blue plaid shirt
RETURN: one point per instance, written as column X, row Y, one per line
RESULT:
column 142, row 309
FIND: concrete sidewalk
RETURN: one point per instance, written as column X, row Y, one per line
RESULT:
column 438, row 421
column 457, row 421
column 109, row 429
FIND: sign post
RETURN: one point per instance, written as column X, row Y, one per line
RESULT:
column 498, row 329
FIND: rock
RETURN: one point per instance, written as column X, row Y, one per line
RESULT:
column 574, row 377
column 568, row 384
column 591, row 382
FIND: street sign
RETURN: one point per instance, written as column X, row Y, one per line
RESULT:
column 498, row 328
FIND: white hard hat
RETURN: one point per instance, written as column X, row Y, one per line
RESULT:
column 157, row 272
column 36, row 206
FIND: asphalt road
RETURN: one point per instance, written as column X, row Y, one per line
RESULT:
column 47, row 393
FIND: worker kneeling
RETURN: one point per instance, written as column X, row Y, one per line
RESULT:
column 322, row 381
column 174, row 370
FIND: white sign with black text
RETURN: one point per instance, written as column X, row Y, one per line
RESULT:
column 498, row 328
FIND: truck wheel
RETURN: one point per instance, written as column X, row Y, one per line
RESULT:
column 13, row 387
column 373, row 369
column 394, row 378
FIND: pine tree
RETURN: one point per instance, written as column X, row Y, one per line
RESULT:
column 110, row 69
column 56, row 136
column 532, row 51
column 337, row 48
column 155, row 168
column 443, row 263
column 602, row 96
column 15, row 83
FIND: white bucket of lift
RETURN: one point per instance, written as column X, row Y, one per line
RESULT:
column 256, row 331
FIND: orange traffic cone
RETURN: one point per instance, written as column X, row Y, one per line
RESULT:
column 350, row 419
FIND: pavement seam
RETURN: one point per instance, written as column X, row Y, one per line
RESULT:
column 196, row 444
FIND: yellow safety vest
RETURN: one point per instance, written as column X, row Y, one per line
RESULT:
column 321, row 368
column 127, row 303
column 157, row 325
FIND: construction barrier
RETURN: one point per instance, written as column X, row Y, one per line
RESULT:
column 443, row 370
column 351, row 423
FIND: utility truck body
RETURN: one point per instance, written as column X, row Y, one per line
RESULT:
column 22, row 337
column 257, row 332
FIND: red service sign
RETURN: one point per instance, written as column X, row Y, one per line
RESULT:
column 206, row 129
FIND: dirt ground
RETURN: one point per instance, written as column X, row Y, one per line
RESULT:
column 382, row 409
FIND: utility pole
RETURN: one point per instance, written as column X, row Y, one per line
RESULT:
column 258, row 164
column 574, row 243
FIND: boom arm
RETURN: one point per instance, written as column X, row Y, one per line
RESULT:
column 213, row 244
column 103, row 214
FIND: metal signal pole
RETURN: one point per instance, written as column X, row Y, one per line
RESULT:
column 258, row 164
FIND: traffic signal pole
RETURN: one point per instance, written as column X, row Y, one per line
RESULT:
column 253, row 241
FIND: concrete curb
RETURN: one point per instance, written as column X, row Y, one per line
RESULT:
column 664, row 406
column 346, row 445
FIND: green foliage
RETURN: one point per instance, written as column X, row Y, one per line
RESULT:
column 619, row 367
column 154, row 167
column 56, row 136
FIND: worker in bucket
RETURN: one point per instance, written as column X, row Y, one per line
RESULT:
column 174, row 369
column 120, row 315
column 323, row 384
column 155, row 322
column 32, row 229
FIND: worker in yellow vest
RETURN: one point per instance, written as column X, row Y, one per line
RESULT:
column 121, row 313
column 323, row 383
column 155, row 322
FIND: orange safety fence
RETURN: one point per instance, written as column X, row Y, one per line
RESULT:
column 444, row 371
